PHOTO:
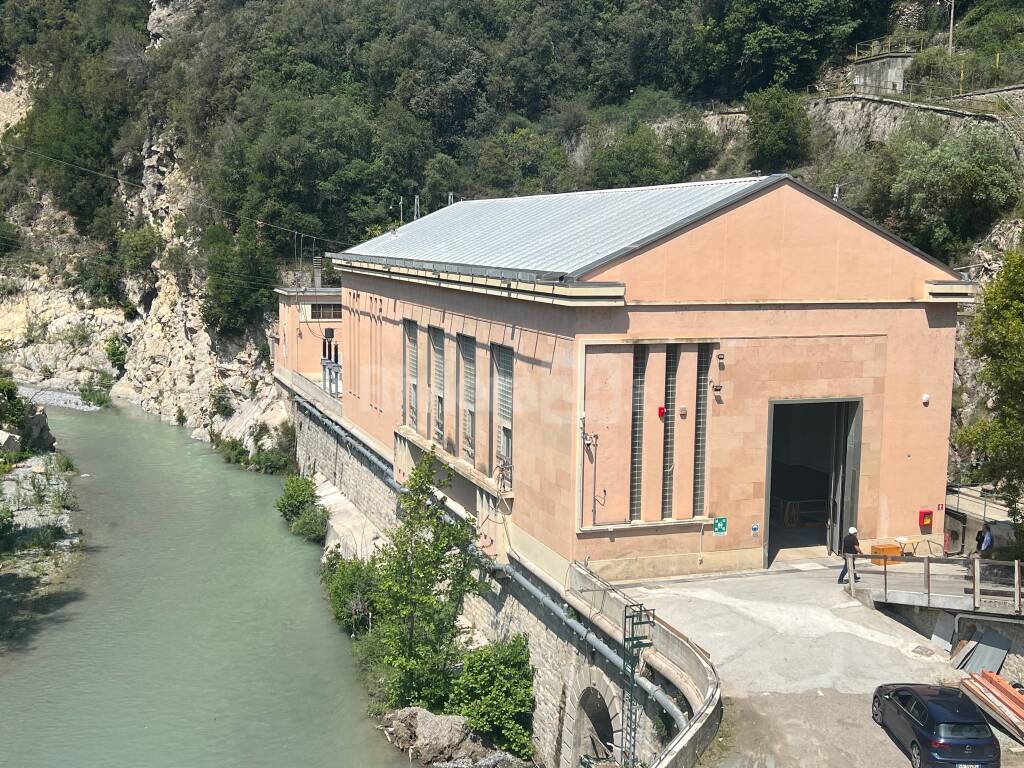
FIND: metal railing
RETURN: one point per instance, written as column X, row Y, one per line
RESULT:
column 696, row 678
column 888, row 45
column 965, row 584
column 922, row 94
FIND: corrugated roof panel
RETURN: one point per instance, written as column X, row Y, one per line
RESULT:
column 559, row 234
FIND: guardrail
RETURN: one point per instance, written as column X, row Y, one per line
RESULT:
column 922, row 94
column 697, row 679
column 888, row 45
column 963, row 584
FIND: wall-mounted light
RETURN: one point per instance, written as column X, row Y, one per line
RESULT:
column 661, row 411
column 682, row 412
column 925, row 399
column 716, row 387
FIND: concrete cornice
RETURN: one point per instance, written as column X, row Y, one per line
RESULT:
column 573, row 294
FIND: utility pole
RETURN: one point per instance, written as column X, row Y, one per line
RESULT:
column 952, row 12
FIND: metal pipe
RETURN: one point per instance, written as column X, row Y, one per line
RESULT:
column 352, row 443
column 595, row 642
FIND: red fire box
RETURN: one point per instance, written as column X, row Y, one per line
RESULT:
column 924, row 517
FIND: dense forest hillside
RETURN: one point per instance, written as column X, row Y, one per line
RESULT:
column 308, row 119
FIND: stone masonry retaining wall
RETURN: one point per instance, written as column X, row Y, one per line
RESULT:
column 566, row 666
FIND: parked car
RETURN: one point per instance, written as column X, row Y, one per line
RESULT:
column 936, row 726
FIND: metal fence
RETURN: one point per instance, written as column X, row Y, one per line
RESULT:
column 965, row 584
column 883, row 46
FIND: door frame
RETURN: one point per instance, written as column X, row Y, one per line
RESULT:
column 851, row 494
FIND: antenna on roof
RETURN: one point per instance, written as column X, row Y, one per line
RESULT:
column 401, row 210
column 451, row 198
column 416, row 208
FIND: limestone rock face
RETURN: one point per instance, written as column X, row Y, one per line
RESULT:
column 36, row 431
column 442, row 741
column 9, row 441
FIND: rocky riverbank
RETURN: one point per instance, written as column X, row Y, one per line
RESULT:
column 442, row 741
column 39, row 544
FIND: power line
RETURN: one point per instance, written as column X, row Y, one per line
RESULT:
column 230, row 277
column 208, row 206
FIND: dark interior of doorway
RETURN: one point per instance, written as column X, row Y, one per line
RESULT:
column 810, row 443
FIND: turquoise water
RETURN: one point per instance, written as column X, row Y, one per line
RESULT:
column 194, row 633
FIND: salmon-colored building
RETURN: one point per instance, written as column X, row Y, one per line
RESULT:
column 658, row 380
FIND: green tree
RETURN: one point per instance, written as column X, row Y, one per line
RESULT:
column 139, row 248
column 778, row 130
column 634, row 157
column 425, row 572
column 241, row 275
column 996, row 337
column 495, row 693
column 692, row 147
column 945, row 194
column 522, row 161
column 734, row 46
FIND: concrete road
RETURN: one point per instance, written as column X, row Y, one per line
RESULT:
column 799, row 660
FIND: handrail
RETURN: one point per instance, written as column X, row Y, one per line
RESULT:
column 881, row 46
column 977, row 584
column 674, row 647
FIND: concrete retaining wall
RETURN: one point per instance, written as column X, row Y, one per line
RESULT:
column 923, row 620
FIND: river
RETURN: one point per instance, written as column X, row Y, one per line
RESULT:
column 194, row 633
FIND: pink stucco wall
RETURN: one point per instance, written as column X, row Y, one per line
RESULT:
column 802, row 300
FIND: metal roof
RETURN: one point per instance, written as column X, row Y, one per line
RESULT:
column 550, row 236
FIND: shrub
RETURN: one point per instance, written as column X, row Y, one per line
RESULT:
column 9, row 287
column 220, row 403
column 43, row 537
column 138, row 248
column 692, row 148
column 62, row 498
column 46, row 371
column 778, row 130
column 179, row 417
column 311, row 523
column 299, row 493
column 117, row 352
column 8, row 528
column 63, row 463
column 232, row 450
column 12, row 406
column 495, row 693
column 36, row 330
column 77, row 336
column 350, row 585
column 96, row 391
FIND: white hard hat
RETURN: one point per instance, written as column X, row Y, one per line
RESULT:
column 852, row 529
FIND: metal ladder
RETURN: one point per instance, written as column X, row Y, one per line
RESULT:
column 636, row 635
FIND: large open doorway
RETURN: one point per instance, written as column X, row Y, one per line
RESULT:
column 813, row 474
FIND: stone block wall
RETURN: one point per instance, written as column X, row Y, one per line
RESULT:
column 320, row 449
column 567, row 669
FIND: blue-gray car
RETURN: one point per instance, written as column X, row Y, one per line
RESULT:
column 935, row 726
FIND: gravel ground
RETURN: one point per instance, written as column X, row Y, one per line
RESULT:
column 55, row 397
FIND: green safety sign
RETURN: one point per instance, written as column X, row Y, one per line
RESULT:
column 719, row 525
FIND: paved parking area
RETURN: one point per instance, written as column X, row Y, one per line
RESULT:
column 799, row 659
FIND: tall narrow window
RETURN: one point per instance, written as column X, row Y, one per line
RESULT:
column 636, row 437
column 467, row 362
column 503, row 359
column 668, row 457
column 437, row 382
column 700, row 429
column 412, row 365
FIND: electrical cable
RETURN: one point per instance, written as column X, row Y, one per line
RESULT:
column 208, row 206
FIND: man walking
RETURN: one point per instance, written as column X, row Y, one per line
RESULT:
column 851, row 546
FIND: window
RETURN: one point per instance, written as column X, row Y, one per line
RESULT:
column 503, row 361
column 411, row 369
column 437, row 381
column 700, row 428
column 636, row 437
column 325, row 311
column 668, row 456
column 964, row 731
column 467, row 362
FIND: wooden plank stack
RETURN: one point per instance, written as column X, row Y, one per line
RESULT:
column 997, row 699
